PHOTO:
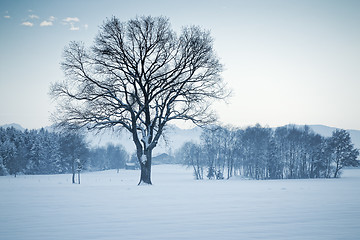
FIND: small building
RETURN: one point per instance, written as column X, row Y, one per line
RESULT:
column 130, row 166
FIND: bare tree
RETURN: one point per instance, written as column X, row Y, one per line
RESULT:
column 139, row 75
column 343, row 152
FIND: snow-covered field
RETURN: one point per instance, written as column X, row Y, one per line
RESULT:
column 109, row 205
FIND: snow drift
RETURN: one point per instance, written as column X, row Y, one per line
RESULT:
column 108, row 205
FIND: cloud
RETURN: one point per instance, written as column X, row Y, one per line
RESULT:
column 71, row 19
column 86, row 26
column 46, row 24
column 52, row 18
column 73, row 28
column 6, row 16
column 27, row 24
column 33, row 16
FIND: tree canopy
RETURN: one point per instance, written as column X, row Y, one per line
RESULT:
column 140, row 75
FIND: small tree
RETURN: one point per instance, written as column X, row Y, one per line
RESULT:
column 139, row 75
column 192, row 157
column 8, row 150
column 74, row 151
column 78, row 169
column 343, row 151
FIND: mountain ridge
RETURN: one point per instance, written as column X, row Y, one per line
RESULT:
column 14, row 125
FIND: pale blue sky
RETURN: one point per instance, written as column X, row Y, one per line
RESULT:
column 286, row 61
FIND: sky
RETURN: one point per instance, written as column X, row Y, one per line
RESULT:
column 286, row 62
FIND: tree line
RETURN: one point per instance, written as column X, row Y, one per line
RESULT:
column 47, row 152
column 264, row 153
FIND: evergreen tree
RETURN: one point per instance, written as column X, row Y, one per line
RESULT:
column 117, row 156
column 8, row 152
column 3, row 170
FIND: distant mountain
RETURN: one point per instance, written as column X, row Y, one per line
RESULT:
column 355, row 137
column 173, row 138
column 322, row 130
column 163, row 159
column 327, row 132
column 14, row 125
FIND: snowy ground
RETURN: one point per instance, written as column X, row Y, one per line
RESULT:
column 108, row 205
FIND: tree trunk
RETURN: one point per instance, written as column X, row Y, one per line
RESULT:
column 145, row 176
column 73, row 172
column 337, row 170
column 196, row 172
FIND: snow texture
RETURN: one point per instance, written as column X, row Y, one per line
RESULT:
column 108, row 205
column 143, row 159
